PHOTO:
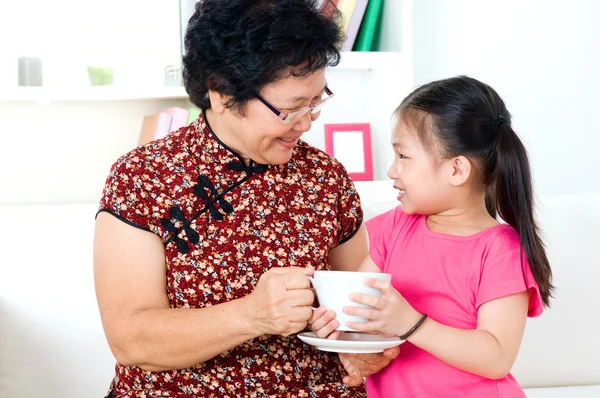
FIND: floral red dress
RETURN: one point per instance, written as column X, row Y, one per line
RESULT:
column 223, row 224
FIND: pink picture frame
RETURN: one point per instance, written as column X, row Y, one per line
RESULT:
column 350, row 143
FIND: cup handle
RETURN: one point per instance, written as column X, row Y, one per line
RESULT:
column 312, row 282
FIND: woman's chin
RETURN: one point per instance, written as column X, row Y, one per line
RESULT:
column 277, row 158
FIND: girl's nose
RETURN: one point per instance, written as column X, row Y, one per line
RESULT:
column 392, row 172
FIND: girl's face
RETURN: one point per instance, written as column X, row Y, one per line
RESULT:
column 417, row 174
column 260, row 135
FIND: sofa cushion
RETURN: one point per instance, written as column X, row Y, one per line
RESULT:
column 564, row 392
column 52, row 343
column 51, row 338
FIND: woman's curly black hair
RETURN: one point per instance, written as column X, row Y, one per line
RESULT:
column 236, row 47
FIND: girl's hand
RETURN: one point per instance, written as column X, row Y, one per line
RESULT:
column 324, row 323
column 391, row 313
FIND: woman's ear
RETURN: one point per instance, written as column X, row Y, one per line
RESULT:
column 461, row 170
column 217, row 101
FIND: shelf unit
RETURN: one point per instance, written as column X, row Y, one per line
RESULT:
column 102, row 123
column 351, row 61
column 100, row 93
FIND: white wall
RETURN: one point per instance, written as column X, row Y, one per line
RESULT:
column 136, row 37
column 543, row 57
column 62, row 152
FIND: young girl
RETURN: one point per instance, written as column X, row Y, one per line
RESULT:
column 463, row 284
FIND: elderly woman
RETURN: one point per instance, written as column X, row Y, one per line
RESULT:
column 204, row 239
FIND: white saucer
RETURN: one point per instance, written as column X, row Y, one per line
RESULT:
column 349, row 342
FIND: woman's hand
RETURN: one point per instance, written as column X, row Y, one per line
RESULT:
column 280, row 302
column 359, row 366
column 391, row 313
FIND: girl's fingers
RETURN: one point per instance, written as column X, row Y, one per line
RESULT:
column 317, row 314
column 335, row 334
column 328, row 329
column 364, row 299
column 377, row 283
column 358, row 311
column 361, row 326
column 323, row 320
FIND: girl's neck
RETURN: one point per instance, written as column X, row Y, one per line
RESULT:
column 465, row 220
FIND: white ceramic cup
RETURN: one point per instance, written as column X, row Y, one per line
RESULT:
column 332, row 289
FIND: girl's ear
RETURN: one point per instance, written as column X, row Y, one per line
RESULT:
column 461, row 170
column 217, row 101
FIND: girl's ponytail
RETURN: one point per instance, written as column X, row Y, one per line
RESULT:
column 513, row 197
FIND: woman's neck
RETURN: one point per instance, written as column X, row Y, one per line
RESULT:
column 222, row 131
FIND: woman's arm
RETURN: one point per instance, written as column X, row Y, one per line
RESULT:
column 488, row 351
column 349, row 255
column 141, row 328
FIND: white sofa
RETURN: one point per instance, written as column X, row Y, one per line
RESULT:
column 52, row 344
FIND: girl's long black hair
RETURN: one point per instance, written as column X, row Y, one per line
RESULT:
column 468, row 117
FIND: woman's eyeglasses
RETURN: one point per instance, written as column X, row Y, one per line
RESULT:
column 289, row 118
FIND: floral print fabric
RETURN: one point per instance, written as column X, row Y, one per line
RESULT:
column 224, row 224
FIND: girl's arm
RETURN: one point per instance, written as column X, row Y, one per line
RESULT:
column 488, row 351
column 491, row 349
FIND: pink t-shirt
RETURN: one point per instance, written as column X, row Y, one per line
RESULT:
column 448, row 277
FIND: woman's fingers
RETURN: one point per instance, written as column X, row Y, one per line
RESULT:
column 300, row 297
column 300, row 314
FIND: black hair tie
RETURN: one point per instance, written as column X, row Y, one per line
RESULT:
column 496, row 122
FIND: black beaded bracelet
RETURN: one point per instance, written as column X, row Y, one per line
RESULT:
column 414, row 328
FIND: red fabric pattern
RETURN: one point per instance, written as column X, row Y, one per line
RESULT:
column 288, row 215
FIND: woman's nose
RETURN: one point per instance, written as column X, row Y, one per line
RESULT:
column 304, row 122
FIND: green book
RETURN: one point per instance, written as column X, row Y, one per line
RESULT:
column 364, row 41
column 193, row 115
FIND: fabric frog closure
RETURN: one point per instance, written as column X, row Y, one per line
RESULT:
column 209, row 194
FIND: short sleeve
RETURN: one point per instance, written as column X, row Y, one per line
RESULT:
column 380, row 230
column 125, row 195
column 349, row 212
column 504, row 275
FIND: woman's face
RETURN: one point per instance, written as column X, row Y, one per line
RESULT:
column 260, row 135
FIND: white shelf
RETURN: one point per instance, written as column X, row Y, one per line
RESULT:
column 360, row 60
column 101, row 93
column 350, row 61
